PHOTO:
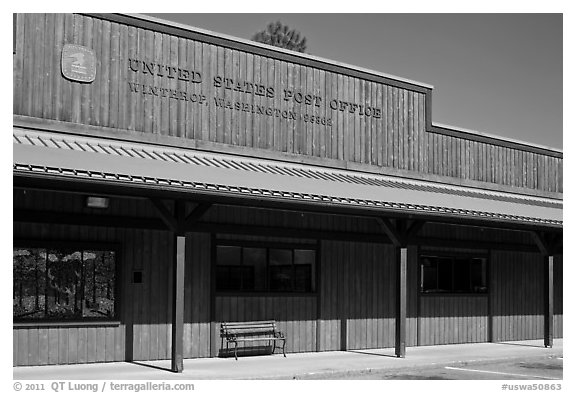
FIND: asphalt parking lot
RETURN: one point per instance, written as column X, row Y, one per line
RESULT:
column 548, row 368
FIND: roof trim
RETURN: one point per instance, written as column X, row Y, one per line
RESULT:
column 146, row 21
column 115, row 134
column 132, row 164
column 495, row 139
column 282, row 50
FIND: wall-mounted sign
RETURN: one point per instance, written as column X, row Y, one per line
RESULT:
column 270, row 99
column 78, row 63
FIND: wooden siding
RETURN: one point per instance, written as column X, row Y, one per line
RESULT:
column 453, row 319
column 517, row 296
column 474, row 234
column 397, row 139
column 558, row 296
column 357, row 306
column 197, row 296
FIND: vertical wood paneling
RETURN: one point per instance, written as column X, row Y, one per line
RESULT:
column 72, row 345
column 397, row 140
column 104, row 80
column 19, row 89
column 382, row 130
column 518, row 296
column 36, row 65
column 356, row 290
column 43, row 348
column 453, row 319
column 49, row 62
column 558, row 296
column 390, row 126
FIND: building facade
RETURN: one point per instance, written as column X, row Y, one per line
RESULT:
column 167, row 179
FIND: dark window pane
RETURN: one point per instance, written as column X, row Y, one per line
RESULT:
column 256, row 259
column 453, row 275
column 262, row 269
column 462, row 275
column 228, row 255
column 29, row 271
column 234, row 278
column 64, row 272
column 478, row 275
column 429, row 271
column 280, row 256
column 99, row 276
column 281, row 278
column 302, row 278
column 226, row 280
column 444, row 274
column 304, row 270
column 281, row 270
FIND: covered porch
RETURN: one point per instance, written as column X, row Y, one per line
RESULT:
column 177, row 205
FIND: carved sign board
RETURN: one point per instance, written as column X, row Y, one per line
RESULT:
column 298, row 104
column 78, row 63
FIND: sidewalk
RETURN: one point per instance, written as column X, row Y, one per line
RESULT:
column 323, row 365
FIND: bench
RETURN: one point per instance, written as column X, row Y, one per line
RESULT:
column 235, row 332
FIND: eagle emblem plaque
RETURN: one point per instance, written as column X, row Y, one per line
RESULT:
column 78, row 63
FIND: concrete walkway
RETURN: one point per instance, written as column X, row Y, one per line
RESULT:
column 302, row 365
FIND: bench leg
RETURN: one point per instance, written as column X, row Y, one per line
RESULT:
column 284, row 348
column 236, row 350
column 274, row 347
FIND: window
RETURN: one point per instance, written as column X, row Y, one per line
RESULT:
column 52, row 283
column 264, row 269
column 453, row 274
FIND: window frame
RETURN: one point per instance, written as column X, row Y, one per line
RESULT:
column 267, row 245
column 453, row 255
column 80, row 245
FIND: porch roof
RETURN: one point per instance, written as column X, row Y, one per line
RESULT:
column 64, row 156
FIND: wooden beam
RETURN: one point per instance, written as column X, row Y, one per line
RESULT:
column 472, row 244
column 556, row 243
column 105, row 220
column 196, row 214
column 165, row 214
column 541, row 242
column 76, row 185
column 414, row 228
column 97, row 220
column 390, row 231
column 549, row 301
column 179, row 216
column 177, row 359
column 401, row 274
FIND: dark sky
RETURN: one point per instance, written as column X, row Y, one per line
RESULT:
column 494, row 73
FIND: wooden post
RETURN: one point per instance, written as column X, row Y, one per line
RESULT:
column 178, row 304
column 400, row 347
column 546, row 245
column 400, row 235
column 549, row 301
column 178, row 223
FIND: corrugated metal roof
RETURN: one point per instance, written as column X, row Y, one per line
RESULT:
column 127, row 162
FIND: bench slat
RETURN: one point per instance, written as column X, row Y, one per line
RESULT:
column 249, row 326
column 260, row 339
